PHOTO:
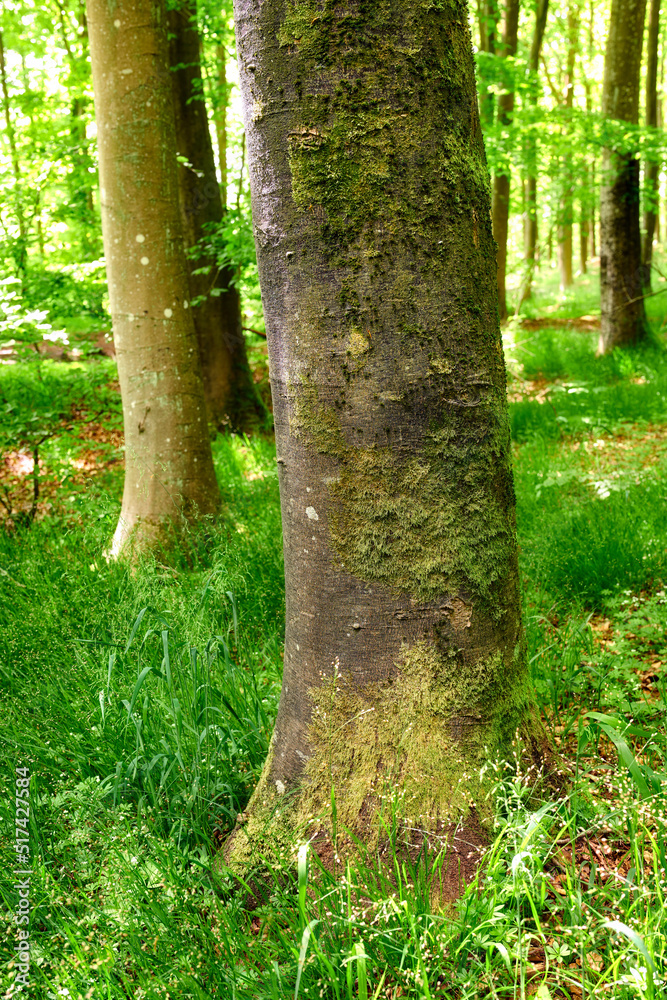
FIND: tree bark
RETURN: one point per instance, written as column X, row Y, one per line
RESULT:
column 404, row 659
column 623, row 317
column 652, row 166
column 169, row 475
column 231, row 398
column 530, row 225
column 501, row 181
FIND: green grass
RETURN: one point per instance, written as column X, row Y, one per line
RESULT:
column 143, row 701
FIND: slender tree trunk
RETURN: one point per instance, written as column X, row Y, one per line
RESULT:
column 501, row 181
column 591, row 198
column 220, row 119
column 530, row 226
column 586, row 217
column 658, row 237
column 169, row 475
column 592, row 231
column 231, row 398
column 623, row 317
column 652, row 165
column 567, row 215
column 584, row 237
column 404, row 663
column 565, row 250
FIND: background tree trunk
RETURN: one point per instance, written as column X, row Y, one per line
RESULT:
column 584, row 238
column 530, row 225
column 169, row 473
column 501, row 181
column 220, row 119
column 623, row 317
column 404, row 658
column 565, row 227
column 231, row 398
column 652, row 166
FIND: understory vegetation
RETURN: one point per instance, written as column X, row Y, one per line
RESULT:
column 142, row 701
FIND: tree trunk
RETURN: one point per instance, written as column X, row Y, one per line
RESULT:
column 169, row 475
column 220, row 119
column 584, row 237
column 565, row 252
column 530, row 226
column 231, row 398
column 405, row 667
column 501, row 181
column 623, row 317
column 652, row 166
column 590, row 193
column 565, row 227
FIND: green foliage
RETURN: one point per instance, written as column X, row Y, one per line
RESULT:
column 70, row 293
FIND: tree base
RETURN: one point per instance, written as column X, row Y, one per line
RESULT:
column 267, row 836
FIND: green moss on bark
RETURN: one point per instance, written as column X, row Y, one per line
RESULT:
column 427, row 732
column 356, row 160
column 434, row 523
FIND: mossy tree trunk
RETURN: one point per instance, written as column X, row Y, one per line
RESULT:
column 502, row 178
column 623, row 317
column 169, row 475
column 231, row 398
column 404, row 660
column 652, row 166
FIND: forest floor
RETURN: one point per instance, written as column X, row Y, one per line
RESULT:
column 141, row 704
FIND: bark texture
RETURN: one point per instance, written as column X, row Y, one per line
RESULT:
column 231, row 398
column 404, row 657
column 652, row 166
column 623, row 317
column 501, row 181
column 169, row 475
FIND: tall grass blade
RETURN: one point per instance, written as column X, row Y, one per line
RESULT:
column 305, row 938
column 135, row 628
